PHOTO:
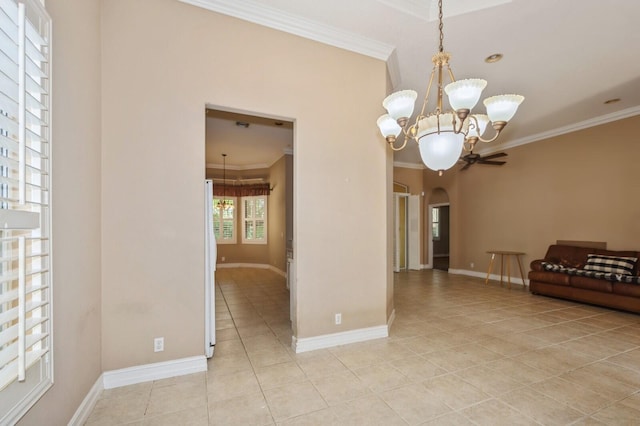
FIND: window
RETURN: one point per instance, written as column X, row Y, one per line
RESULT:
column 224, row 220
column 254, row 220
column 25, row 276
column 435, row 223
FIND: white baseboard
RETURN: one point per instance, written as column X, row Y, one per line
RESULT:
column 84, row 410
column 392, row 318
column 427, row 266
column 337, row 339
column 156, row 371
column 493, row 277
column 252, row 265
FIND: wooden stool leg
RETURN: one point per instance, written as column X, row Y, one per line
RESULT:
column 493, row 256
column 509, row 270
column 524, row 285
column 501, row 268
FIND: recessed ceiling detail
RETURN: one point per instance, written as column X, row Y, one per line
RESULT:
column 493, row 58
column 428, row 10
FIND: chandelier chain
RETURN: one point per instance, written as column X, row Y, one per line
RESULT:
column 441, row 26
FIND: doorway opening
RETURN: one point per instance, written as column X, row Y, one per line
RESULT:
column 249, row 161
column 439, row 230
column 406, row 234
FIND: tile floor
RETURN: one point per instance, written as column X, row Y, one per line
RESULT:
column 459, row 352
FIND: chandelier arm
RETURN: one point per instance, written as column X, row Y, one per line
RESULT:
column 439, row 103
column 428, row 91
column 453, row 79
column 471, row 142
column 492, row 139
column 456, row 129
column 392, row 143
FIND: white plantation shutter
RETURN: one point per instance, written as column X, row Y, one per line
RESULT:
column 254, row 220
column 224, row 219
column 25, row 275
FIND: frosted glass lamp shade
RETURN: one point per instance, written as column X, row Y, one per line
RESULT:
column 400, row 104
column 464, row 94
column 439, row 151
column 477, row 131
column 388, row 126
column 502, row 107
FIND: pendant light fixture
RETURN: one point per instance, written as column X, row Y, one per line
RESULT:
column 443, row 133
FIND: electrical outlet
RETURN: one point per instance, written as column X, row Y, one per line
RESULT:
column 223, row 258
column 473, row 265
column 158, row 344
column 338, row 319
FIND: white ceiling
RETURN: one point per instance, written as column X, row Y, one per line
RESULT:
column 257, row 146
column 565, row 57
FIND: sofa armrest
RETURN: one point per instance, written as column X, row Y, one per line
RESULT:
column 536, row 265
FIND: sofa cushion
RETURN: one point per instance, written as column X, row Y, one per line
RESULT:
column 549, row 277
column 594, row 284
column 625, row 289
column 611, row 264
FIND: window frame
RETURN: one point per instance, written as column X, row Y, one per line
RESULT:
column 254, row 219
column 435, row 223
column 27, row 206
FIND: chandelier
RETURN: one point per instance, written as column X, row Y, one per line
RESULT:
column 442, row 134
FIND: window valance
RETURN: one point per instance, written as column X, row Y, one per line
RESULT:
column 250, row 190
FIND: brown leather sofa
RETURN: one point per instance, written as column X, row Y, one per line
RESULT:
column 561, row 274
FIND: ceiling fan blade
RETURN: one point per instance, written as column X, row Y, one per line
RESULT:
column 492, row 163
column 466, row 166
column 496, row 155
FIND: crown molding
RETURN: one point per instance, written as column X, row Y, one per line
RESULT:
column 240, row 168
column 417, row 166
column 581, row 125
column 293, row 24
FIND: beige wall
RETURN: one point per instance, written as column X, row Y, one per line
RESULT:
column 75, row 209
column 579, row 186
column 277, row 216
column 410, row 177
column 163, row 61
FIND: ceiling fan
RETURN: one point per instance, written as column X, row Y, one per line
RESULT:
column 472, row 158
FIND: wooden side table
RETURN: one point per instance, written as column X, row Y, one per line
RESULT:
column 502, row 254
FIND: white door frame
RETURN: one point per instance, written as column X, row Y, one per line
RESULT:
column 411, row 231
column 430, row 229
column 396, row 231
